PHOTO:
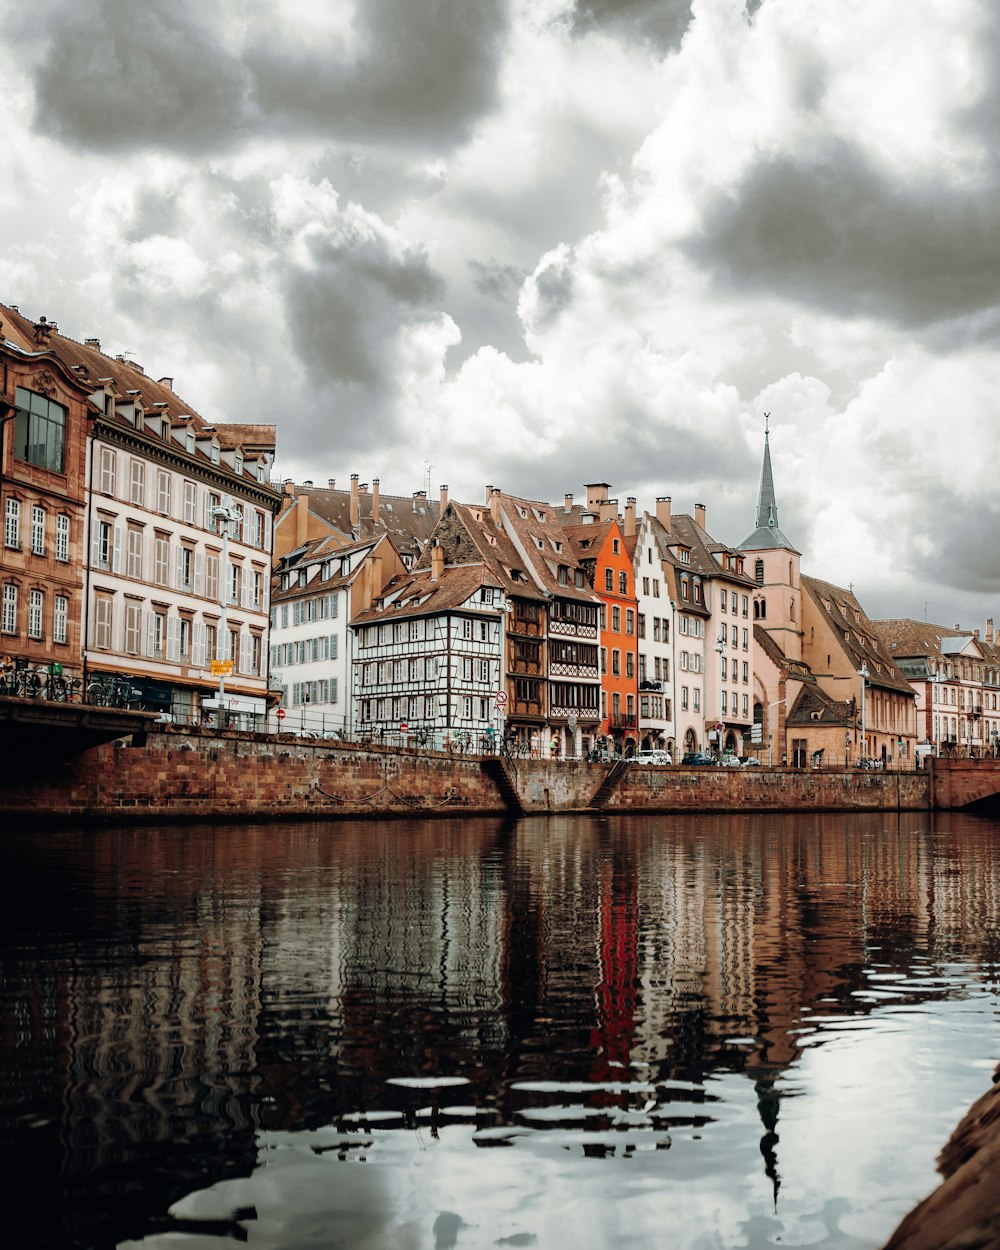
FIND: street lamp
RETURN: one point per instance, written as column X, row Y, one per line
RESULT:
column 228, row 516
column 863, row 674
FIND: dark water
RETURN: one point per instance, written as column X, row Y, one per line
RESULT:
column 651, row 1032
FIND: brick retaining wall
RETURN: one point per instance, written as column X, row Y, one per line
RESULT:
column 197, row 774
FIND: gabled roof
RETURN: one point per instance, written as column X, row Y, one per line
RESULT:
column 479, row 538
column 705, row 550
column 855, row 633
column 538, row 534
column 407, row 519
column 316, row 552
column 416, row 594
column 814, row 706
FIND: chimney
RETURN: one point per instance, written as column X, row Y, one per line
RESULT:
column 630, row 517
column 289, row 486
column 975, row 634
column 167, row 382
column 495, row 493
column 444, row 497
column 699, row 515
column 43, row 332
column 93, row 343
column 597, row 493
column 567, row 502
column 374, row 498
column 958, row 628
column 608, row 508
column 437, row 561
column 663, row 510
column 307, row 482
column 302, row 518
column 331, row 483
column 363, row 488
column 989, row 630
column 355, row 513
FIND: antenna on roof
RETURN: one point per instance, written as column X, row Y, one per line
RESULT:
column 427, row 476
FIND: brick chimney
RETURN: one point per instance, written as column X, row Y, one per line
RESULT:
column 663, row 510
column 567, row 502
column 444, row 497
column 289, row 487
column 597, row 493
column 302, row 518
column 989, row 630
column 608, row 509
column 495, row 493
column 374, row 498
column 331, row 483
column 699, row 515
column 437, row 561
column 355, row 506
column 630, row 517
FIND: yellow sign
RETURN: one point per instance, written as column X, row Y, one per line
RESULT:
column 222, row 668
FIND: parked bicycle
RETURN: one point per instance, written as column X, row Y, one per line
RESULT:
column 114, row 692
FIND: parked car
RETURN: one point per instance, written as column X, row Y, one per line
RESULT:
column 695, row 758
column 653, row 757
column 730, row 761
column 751, row 762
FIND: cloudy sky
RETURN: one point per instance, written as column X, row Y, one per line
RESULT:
column 541, row 242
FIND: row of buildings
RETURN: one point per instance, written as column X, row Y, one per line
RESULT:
column 145, row 542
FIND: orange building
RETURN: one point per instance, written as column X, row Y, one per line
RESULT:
column 600, row 548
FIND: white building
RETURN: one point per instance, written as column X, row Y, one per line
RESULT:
column 653, row 586
column 316, row 591
column 428, row 657
column 179, row 517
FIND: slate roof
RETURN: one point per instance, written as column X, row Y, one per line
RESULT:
column 766, row 534
column 538, row 532
column 484, row 541
column 407, row 519
column 813, row 706
column 312, row 553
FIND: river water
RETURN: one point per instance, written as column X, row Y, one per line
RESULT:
column 684, row 1032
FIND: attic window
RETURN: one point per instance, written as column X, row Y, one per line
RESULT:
column 684, row 555
column 189, row 440
column 555, row 546
column 524, row 514
column 238, row 463
column 828, row 605
column 215, row 454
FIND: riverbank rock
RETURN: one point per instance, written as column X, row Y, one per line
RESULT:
column 963, row 1213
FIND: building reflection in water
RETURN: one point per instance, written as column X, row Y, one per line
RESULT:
column 171, row 997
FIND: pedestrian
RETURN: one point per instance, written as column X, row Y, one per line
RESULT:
column 554, row 746
column 534, row 746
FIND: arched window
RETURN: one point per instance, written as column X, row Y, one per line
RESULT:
column 758, row 572
column 789, row 572
column 756, row 610
column 791, row 610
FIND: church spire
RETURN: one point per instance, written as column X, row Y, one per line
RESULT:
column 767, row 505
column 766, row 534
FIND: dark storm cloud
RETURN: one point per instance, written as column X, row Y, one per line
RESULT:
column 119, row 74
column 344, row 312
column 425, row 71
column 494, row 279
column 662, row 22
column 840, row 236
column 965, row 538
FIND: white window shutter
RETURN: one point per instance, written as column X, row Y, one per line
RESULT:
column 198, row 645
column 95, row 546
column 173, row 638
column 178, row 567
column 244, row 651
column 150, row 634
column 199, row 563
column 116, row 550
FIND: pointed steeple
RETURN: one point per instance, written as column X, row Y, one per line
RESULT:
column 766, row 533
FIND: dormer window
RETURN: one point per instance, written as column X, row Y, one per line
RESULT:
column 215, row 454
column 684, row 555
column 238, row 463
column 189, row 440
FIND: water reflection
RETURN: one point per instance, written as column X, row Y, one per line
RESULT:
column 730, row 1031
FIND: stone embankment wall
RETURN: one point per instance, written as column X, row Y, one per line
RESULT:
column 197, row 774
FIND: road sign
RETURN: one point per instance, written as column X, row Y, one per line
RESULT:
column 404, row 728
column 280, row 713
column 501, row 698
column 222, row 668
column 719, row 726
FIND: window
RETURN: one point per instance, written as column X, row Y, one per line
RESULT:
column 39, row 431
column 163, row 493
column 629, row 664
column 256, row 589
column 38, row 530
column 645, row 585
column 62, row 536
column 629, row 621
column 184, row 641
column 185, row 568
column 684, row 698
column 256, row 649
column 235, row 579
column 656, row 588
column 257, row 534
column 725, row 669
column 106, row 476
column 696, row 699
column 684, row 555
column 102, row 622
column 161, row 561
column 157, row 634
column 137, row 483
column 758, row 572
column 609, row 579
column 616, row 662
column 9, row 608
column 616, row 620
column 623, row 583
column 12, row 525
column 641, row 624
column 746, row 639
column 133, row 628
column 36, row 607
column 211, row 643
column 133, row 555
column 616, row 546
column 190, row 502
column 212, row 584
column 60, row 618
column 723, row 599
column 103, row 544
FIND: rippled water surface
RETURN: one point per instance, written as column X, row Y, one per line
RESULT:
column 661, row 1031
